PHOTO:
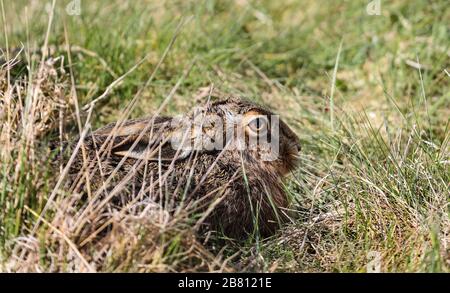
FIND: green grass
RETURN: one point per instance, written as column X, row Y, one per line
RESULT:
column 374, row 125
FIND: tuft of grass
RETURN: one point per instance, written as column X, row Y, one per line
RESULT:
column 373, row 179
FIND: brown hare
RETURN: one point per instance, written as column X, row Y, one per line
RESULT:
column 225, row 160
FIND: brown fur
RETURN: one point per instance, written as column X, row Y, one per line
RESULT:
column 239, row 188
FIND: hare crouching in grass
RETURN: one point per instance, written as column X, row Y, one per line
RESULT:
column 225, row 161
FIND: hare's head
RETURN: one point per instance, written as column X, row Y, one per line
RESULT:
column 245, row 132
column 260, row 136
column 239, row 131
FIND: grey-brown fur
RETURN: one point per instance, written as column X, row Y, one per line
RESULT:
column 237, row 183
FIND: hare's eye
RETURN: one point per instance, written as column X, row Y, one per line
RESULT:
column 258, row 124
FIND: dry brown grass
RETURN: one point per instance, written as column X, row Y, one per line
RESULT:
column 81, row 236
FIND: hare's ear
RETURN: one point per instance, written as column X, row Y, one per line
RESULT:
column 164, row 151
column 152, row 145
column 132, row 129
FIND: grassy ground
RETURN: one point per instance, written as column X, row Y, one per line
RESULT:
column 368, row 95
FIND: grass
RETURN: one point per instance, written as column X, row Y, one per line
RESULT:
column 368, row 96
